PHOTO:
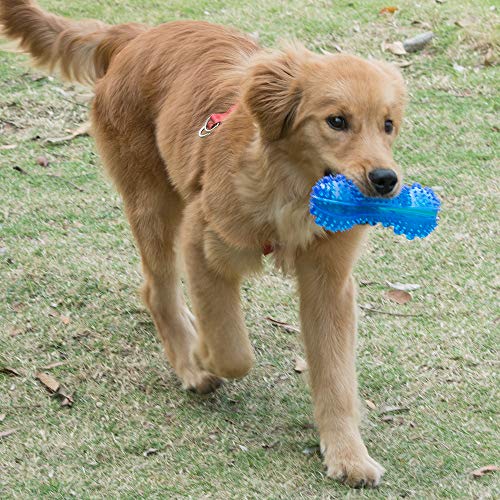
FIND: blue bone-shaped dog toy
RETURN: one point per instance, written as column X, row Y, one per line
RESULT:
column 337, row 205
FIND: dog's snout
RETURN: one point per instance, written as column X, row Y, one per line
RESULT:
column 383, row 179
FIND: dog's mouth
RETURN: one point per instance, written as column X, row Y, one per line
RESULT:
column 330, row 172
column 365, row 186
column 368, row 190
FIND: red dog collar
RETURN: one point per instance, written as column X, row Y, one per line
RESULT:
column 213, row 121
column 267, row 248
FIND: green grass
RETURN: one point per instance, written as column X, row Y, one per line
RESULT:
column 69, row 252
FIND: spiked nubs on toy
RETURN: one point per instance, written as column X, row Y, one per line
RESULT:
column 337, row 205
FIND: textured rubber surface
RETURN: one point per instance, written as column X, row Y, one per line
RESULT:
column 337, row 205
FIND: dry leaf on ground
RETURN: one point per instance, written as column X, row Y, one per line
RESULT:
column 485, row 470
column 65, row 319
column 6, row 147
column 42, row 161
column 389, row 10
column 6, row 433
column 2, row 417
column 405, row 287
column 370, row 404
column 48, row 381
column 395, row 48
column 398, row 296
column 54, row 365
column 489, row 58
column 66, row 398
column 52, row 385
column 300, row 365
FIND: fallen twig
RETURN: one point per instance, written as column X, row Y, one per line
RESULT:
column 7, row 370
column 393, row 409
column 55, row 176
column 8, row 432
column 80, row 131
column 54, row 365
column 25, row 407
column 20, row 170
column 368, row 283
column 66, row 181
column 484, row 470
column 379, row 311
column 286, row 326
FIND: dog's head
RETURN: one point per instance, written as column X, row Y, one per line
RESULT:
column 330, row 114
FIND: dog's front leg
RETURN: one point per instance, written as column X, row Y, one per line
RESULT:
column 328, row 319
column 214, row 272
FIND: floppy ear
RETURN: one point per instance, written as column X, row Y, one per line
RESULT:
column 272, row 91
column 395, row 76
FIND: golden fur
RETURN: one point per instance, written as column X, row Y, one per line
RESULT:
column 218, row 201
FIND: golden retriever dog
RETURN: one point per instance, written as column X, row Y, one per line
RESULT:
column 221, row 201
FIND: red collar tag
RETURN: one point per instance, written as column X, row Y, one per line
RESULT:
column 213, row 121
column 267, row 248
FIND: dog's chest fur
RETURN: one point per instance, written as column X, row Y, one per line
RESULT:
column 277, row 206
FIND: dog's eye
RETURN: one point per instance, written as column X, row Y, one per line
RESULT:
column 337, row 122
column 388, row 126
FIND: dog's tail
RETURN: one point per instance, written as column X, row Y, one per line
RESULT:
column 81, row 50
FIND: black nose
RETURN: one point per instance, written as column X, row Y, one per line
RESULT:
column 383, row 180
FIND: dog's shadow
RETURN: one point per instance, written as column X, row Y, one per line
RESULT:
column 270, row 408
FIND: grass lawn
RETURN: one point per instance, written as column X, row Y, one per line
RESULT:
column 69, row 274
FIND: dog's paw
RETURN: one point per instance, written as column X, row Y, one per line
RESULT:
column 352, row 466
column 201, row 381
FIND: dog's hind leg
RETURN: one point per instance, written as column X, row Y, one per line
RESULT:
column 154, row 210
